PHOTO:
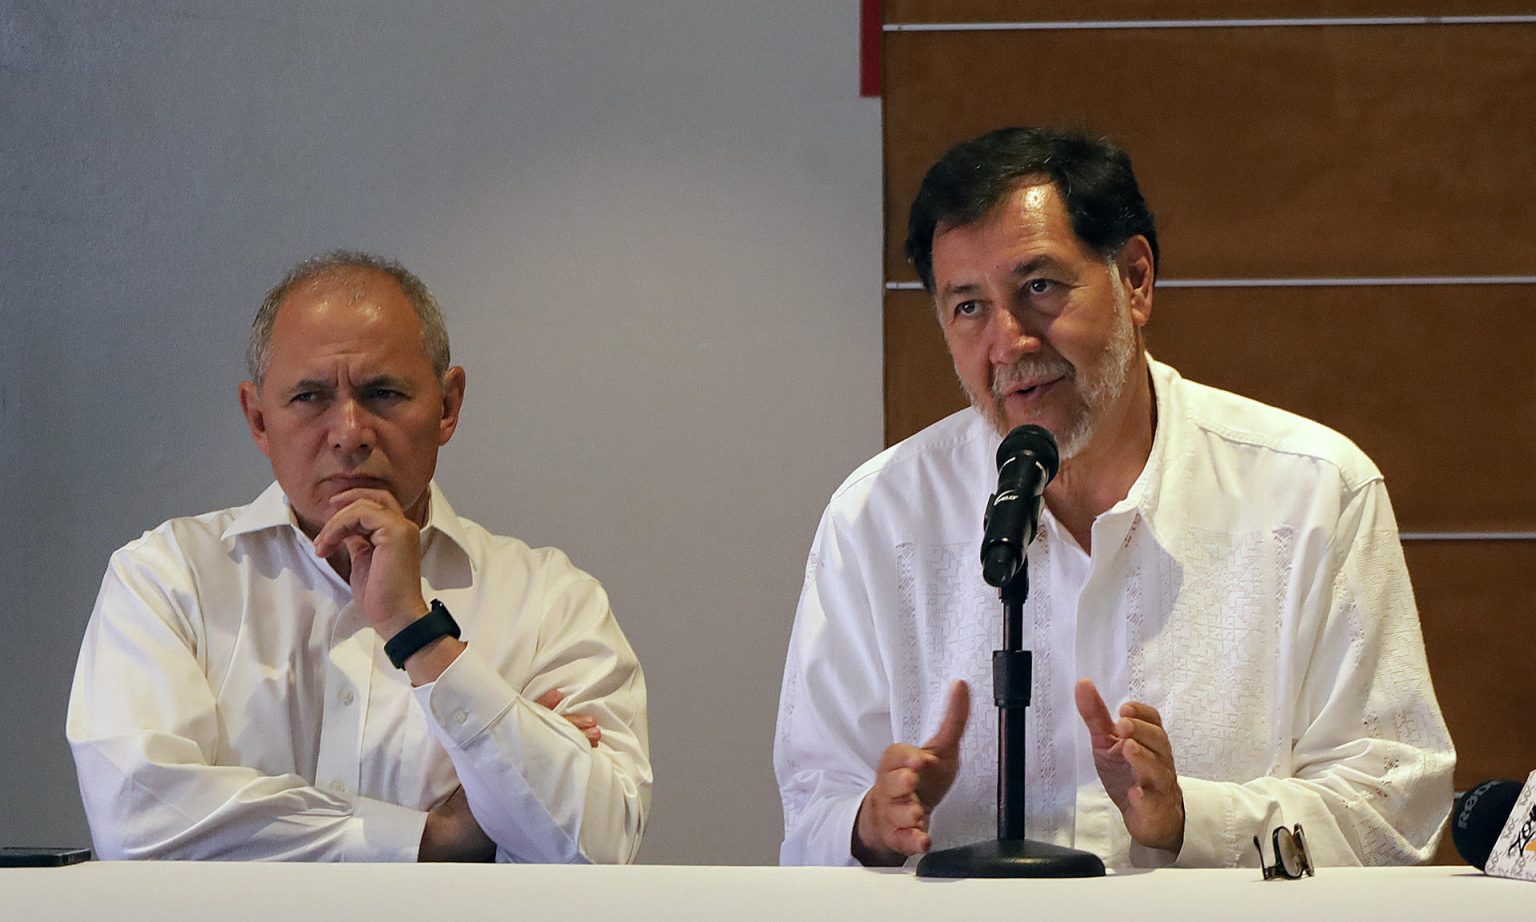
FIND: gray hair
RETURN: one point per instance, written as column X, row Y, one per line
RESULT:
column 434, row 333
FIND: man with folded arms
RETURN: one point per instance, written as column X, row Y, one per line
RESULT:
column 1229, row 571
column 346, row 669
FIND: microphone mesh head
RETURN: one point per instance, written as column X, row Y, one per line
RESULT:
column 1479, row 817
column 1033, row 440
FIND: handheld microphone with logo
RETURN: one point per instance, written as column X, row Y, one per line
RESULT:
column 1493, row 827
column 1026, row 462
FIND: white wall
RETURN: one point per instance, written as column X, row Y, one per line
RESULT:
column 655, row 227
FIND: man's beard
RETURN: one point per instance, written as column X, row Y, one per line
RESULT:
column 1104, row 384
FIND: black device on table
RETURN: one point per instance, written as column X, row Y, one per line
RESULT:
column 26, row 856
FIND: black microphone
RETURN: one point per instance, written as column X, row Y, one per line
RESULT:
column 1479, row 818
column 1026, row 462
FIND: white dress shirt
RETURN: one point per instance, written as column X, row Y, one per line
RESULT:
column 1251, row 586
column 232, row 702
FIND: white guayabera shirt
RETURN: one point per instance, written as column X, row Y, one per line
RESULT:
column 1251, row 586
column 232, row 702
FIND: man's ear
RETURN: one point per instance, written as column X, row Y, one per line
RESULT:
column 1138, row 273
column 250, row 405
column 453, row 402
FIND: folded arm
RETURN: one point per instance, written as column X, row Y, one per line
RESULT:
column 536, row 781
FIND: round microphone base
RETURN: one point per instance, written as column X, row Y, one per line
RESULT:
column 1010, row 858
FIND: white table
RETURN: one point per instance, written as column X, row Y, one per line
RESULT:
column 109, row 892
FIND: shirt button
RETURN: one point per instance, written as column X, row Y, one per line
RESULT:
column 347, row 697
column 459, row 717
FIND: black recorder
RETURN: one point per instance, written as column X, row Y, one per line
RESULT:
column 19, row 856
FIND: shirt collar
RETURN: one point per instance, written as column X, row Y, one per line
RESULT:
column 272, row 510
column 269, row 510
column 442, row 518
column 1141, row 499
column 1143, row 495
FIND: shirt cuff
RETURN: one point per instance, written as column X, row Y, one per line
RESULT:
column 1208, row 835
column 842, row 817
column 467, row 698
column 829, row 843
column 385, row 831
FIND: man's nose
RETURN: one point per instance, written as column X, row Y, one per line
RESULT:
column 352, row 432
column 1012, row 338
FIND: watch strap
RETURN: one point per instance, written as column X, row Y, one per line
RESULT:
column 436, row 623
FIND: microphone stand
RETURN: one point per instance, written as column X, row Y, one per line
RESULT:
column 1010, row 854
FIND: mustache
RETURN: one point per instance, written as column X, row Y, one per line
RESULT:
column 1006, row 380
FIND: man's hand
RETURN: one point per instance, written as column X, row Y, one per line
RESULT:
column 453, row 834
column 909, row 783
column 383, row 550
column 583, row 722
column 383, row 567
column 1135, row 762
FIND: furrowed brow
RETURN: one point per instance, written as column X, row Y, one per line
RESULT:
column 385, row 381
column 311, row 384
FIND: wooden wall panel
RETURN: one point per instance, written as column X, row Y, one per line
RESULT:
column 917, row 11
column 1470, row 594
column 1436, row 383
column 920, row 383
column 1287, row 152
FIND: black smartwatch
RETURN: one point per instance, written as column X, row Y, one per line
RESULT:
column 434, row 624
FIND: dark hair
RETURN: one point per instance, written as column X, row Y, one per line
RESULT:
column 1093, row 177
column 434, row 333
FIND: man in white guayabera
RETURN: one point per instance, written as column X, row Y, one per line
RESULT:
column 1229, row 571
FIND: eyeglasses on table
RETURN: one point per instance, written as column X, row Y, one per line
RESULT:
column 1289, row 847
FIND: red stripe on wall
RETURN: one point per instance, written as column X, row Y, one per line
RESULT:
column 869, row 47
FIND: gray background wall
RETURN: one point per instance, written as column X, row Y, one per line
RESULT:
column 655, row 228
